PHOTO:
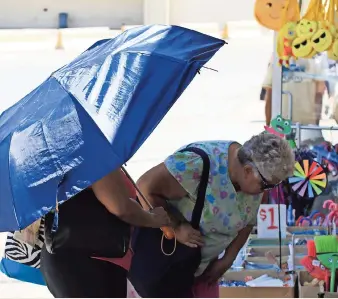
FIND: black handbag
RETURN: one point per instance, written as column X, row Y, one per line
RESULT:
column 156, row 275
column 86, row 227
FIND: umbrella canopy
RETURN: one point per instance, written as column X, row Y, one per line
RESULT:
column 91, row 116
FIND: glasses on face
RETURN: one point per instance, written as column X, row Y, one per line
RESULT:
column 265, row 185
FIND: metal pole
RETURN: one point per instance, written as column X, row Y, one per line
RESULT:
column 308, row 127
column 276, row 82
column 298, row 134
column 289, row 94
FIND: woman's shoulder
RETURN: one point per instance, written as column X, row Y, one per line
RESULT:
column 254, row 200
column 212, row 147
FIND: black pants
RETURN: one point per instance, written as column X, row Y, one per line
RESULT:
column 75, row 276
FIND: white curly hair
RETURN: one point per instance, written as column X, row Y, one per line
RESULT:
column 270, row 154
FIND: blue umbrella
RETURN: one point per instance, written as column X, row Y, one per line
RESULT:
column 91, row 116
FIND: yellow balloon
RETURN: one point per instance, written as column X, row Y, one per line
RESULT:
column 332, row 53
column 322, row 40
column 301, row 47
column 328, row 26
column 306, row 28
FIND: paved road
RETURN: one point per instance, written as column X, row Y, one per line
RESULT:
column 217, row 105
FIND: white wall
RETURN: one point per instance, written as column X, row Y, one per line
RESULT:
column 156, row 12
column 207, row 11
column 112, row 13
column 82, row 13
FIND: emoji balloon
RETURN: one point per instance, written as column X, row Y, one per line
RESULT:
column 332, row 53
column 328, row 26
column 306, row 28
column 301, row 47
column 272, row 14
column 321, row 40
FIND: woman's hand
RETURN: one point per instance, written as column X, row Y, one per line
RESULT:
column 188, row 236
column 215, row 270
column 159, row 217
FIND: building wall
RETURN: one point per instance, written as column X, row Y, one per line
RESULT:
column 208, row 11
column 82, row 13
column 112, row 13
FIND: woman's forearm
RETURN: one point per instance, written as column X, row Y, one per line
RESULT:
column 135, row 215
column 158, row 201
column 113, row 193
column 237, row 244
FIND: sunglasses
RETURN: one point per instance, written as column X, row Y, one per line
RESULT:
column 265, row 185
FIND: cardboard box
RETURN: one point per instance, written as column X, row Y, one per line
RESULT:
column 298, row 229
column 255, row 242
column 306, row 291
column 264, row 260
column 254, row 292
column 260, row 251
column 330, row 295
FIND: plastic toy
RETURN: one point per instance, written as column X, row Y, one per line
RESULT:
column 284, row 42
column 279, row 126
column 309, row 179
column 327, row 254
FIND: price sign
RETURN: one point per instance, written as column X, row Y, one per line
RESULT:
column 268, row 223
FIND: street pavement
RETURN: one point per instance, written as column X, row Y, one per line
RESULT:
column 222, row 104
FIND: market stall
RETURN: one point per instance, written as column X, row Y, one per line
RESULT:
column 294, row 252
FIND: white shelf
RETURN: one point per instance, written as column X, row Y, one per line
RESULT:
column 298, row 76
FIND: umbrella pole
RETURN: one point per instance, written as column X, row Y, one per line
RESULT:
column 137, row 188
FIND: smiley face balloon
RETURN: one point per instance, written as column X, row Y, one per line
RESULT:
column 306, row 28
column 328, row 26
column 301, row 47
column 332, row 53
column 321, row 40
column 271, row 13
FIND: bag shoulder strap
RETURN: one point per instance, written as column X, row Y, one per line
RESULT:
column 202, row 187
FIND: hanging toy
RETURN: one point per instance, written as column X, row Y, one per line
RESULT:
column 309, row 179
column 286, row 34
column 302, row 48
column 332, row 52
column 272, row 14
column 329, row 22
column 284, row 43
column 322, row 39
column 306, row 28
column 308, row 25
column 327, row 25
